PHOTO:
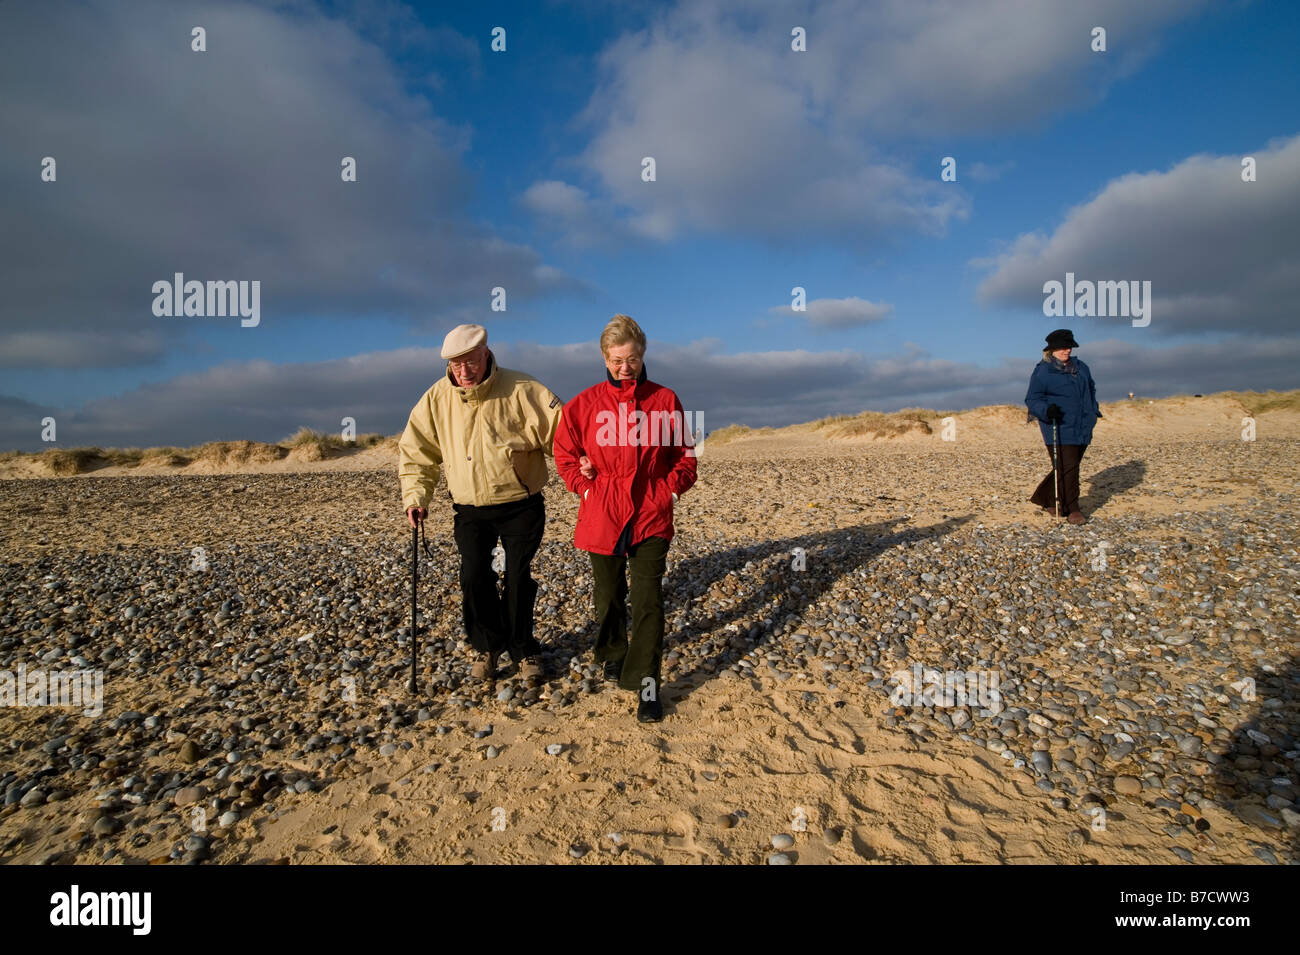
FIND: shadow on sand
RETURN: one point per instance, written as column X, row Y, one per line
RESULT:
column 829, row 555
column 1253, row 769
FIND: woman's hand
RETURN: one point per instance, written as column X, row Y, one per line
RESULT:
column 587, row 469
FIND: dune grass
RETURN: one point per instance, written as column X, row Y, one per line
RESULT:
column 731, row 432
column 876, row 424
column 1258, row 402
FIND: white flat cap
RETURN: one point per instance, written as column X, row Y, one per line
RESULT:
column 462, row 339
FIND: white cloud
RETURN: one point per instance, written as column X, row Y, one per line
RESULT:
column 265, row 401
column 836, row 313
column 226, row 165
column 751, row 137
column 1221, row 254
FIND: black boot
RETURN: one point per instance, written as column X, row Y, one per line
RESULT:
column 650, row 711
column 613, row 670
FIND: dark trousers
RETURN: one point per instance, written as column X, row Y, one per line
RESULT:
column 645, row 564
column 1045, row 495
column 494, row 621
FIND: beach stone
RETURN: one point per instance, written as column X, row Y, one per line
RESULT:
column 782, row 840
column 492, row 752
column 555, row 749
column 189, row 752
column 106, row 826
column 228, row 819
column 33, row 797
column 779, row 858
column 195, row 843
column 188, row 795
column 388, row 749
column 1256, row 815
column 1182, row 853
column 1128, row 785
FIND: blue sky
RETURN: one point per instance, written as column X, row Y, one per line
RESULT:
column 521, row 169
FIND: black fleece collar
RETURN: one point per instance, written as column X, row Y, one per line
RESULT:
column 640, row 379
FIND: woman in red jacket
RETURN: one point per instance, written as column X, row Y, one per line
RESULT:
column 624, row 446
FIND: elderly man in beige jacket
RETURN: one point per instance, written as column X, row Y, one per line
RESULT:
column 489, row 429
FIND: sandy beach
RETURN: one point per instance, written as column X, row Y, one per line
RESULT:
column 250, row 620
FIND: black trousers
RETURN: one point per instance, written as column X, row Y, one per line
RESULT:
column 495, row 622
column 1045, row 494
column 645, row 564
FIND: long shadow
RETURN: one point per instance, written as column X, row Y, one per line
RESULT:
column 829, row 555
column 1116, row 479
column 1253, row 778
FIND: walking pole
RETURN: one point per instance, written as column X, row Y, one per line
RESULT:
column 1057, row 477
column 415, row 581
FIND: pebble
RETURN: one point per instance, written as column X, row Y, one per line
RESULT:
column 1256, row 815
column 555, row 749
column 1265, row 854
column 779, row 858
column 1134, row 668
column 1128, row 785
column 228, row 819
column 782, row 840
column 188, row 795
column 1182, row 853
column 492, row 752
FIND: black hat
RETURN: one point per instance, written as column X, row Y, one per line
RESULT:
column 1061, row 338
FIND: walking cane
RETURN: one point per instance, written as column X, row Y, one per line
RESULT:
column 1057, row 477
column 415, row 582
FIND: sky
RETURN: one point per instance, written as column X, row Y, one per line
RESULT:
column 920, row 169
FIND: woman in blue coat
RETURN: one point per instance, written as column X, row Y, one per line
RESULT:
column 1061, row 390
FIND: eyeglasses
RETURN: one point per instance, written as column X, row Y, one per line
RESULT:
column 620, row 362
column 465, row 362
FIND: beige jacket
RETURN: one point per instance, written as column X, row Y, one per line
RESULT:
column 490, row 440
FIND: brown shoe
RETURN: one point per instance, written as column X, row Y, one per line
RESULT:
column 1049, row 511
column 530, row 668
column 1076, row 517
column 485, row 667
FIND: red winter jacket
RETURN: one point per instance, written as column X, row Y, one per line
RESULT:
column 642, row 456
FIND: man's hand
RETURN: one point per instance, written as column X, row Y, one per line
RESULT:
column 416, row 514
column 587, row 468
column 1054, row 413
